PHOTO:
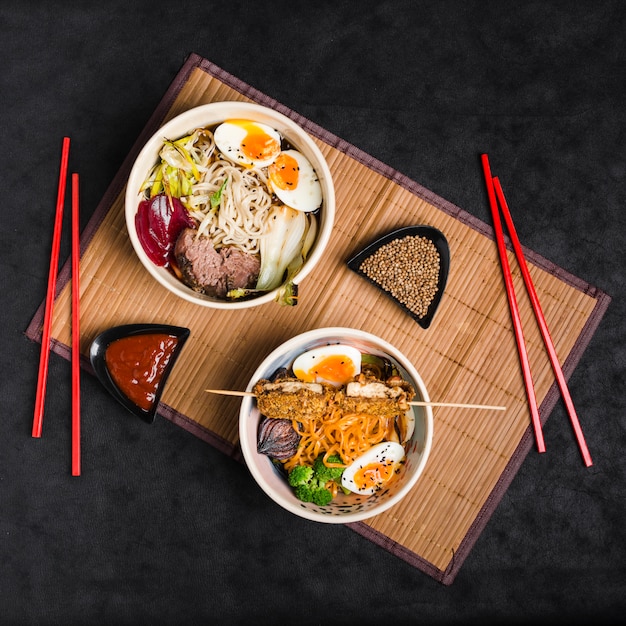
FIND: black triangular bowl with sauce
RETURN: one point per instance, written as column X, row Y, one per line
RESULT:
column 135, row 336
column 441, row 244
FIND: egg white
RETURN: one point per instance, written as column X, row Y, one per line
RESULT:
column 306, row 195
column 384, row 452
column 230, row 135
column 305, row 365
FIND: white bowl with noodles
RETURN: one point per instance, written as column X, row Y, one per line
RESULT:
column 209, row 116
column 344, row 508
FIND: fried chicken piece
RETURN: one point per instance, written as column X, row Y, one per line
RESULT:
column 290, row 398
column 367, row 394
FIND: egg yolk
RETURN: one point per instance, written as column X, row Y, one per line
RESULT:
column 374, row 475
column 257, row 145
column 284, row 172
column 334, row 368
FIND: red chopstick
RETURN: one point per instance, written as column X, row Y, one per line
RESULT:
column 515, row 315
column 543, row 326
column 75, row 327
column 52, row 279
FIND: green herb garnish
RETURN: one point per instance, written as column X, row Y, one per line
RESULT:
column 216, row 196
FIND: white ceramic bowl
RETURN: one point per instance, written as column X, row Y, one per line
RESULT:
column 344, row 508
column 210, row 115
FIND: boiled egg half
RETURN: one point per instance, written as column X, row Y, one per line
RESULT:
column 335, row 364
column 248, row 143
column 295, row 182
column 373, row 470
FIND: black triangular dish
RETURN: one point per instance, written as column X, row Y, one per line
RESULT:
column 440, row 242
column 102, row 342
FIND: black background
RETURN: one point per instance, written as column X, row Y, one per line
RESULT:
column 163, row 529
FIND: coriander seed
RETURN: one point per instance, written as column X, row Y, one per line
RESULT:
column 408, row 269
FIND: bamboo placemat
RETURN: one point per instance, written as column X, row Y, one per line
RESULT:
column 467, row 355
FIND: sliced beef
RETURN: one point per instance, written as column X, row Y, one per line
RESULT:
column 214, row 272
column 241, row 268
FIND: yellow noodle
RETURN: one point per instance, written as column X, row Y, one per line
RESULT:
column 347, row 434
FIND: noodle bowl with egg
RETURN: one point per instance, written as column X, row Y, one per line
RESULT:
column 242, row 187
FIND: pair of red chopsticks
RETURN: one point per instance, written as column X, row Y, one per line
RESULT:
column 50, row 296
column 496, row 196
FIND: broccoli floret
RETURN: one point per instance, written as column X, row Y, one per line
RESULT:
column 314, row 492
column 300, row 475
column 310, row 484
column 322, row 496
column 303, row 492
column 326, row 474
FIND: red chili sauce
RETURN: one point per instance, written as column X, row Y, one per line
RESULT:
column 137, row 364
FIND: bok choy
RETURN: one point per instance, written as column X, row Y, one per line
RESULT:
column 281, row 245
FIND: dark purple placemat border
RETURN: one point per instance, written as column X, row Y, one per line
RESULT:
column 194, row 61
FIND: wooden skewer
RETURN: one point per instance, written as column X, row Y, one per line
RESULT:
column 228, row 392
column 489, row 407
column 460, row 405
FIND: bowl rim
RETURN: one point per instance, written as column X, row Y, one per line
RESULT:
column 248, row 447
column 180, row 124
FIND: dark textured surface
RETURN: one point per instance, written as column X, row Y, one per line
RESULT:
column 161, row 528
